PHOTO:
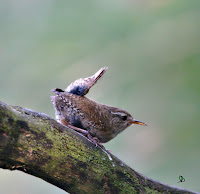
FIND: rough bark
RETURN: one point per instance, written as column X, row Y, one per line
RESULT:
column 36, row 144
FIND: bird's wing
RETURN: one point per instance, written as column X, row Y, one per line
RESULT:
column 82, row 86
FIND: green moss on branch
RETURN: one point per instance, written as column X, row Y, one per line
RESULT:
column 36, row 144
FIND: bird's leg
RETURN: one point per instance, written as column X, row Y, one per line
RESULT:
column 84, row 132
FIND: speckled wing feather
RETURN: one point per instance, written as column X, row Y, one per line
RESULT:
column 82, row 86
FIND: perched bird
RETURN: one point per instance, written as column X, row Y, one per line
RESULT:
column 99, row 122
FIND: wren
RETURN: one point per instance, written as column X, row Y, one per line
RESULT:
column 99, row 122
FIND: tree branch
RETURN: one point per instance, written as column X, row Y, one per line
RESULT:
column 36, row 144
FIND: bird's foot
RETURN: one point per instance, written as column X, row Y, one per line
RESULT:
column 95, row 140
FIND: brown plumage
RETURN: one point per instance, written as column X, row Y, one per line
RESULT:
column 99, row 122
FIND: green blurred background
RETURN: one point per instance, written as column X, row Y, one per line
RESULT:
column 152, row 49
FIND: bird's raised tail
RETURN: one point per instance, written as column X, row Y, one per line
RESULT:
column 82, row 86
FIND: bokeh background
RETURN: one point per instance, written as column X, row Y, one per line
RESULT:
column 152, row 49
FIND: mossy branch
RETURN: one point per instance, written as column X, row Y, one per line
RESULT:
column 36, row 144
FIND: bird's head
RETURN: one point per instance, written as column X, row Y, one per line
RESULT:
column 121, row 119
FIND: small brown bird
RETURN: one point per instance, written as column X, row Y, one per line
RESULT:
column 99, row 122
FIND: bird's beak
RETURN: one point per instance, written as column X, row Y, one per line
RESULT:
column 138, row 122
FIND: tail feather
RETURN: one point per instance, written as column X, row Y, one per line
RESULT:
column 82, row 86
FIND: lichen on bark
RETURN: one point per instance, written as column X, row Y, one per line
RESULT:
column 36, row 144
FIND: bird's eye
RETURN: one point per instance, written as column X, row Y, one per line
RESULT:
column 124, row 117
